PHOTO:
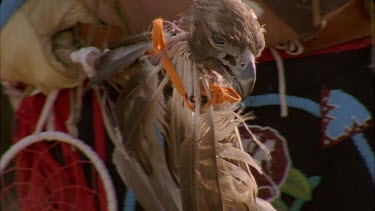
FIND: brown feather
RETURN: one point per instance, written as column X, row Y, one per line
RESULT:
column 202, row 165
column 140, row 139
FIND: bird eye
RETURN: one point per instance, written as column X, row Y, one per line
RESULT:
column 218, row 39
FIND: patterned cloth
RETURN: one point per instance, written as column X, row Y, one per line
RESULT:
column 329, row 132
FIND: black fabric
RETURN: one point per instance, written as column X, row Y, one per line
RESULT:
column 85, row 127
column 345, row 181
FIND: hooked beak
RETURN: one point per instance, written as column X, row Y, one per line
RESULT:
column 241, row 70
column 246, row 79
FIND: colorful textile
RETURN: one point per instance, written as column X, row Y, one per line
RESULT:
column 333, row 175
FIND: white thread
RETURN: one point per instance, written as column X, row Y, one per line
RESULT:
column 282, row 84
column 47, row 108
column 81, row 55
column 291, row 47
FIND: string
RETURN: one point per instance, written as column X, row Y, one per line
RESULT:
column 219, row 94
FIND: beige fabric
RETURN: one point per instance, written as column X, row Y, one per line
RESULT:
column 342, row 27
column 26, row 44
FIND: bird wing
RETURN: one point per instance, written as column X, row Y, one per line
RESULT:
column 142, row 121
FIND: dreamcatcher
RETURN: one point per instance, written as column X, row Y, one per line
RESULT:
column 53, row 170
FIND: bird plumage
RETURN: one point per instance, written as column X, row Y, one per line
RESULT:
column 172, row 155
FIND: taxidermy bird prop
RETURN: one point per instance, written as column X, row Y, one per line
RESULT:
column 179, row 85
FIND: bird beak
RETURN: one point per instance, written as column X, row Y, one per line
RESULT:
column 245, row 73
column 241, row 70
column 246, row 79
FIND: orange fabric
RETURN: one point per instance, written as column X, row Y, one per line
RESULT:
column 221, row 94
column 175, row 80
column 218, row 94
column 158, row 44
column 158, row 41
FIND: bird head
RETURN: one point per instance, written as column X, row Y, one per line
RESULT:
column 226, row 38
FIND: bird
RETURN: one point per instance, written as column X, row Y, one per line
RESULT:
column 175, row 112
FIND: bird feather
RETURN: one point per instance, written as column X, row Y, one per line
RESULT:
column 202, row 165
column 118, row 60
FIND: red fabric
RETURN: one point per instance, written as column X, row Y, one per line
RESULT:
column 354, row 45
column 99, row 137
column 68, row 180
column 99, row 132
